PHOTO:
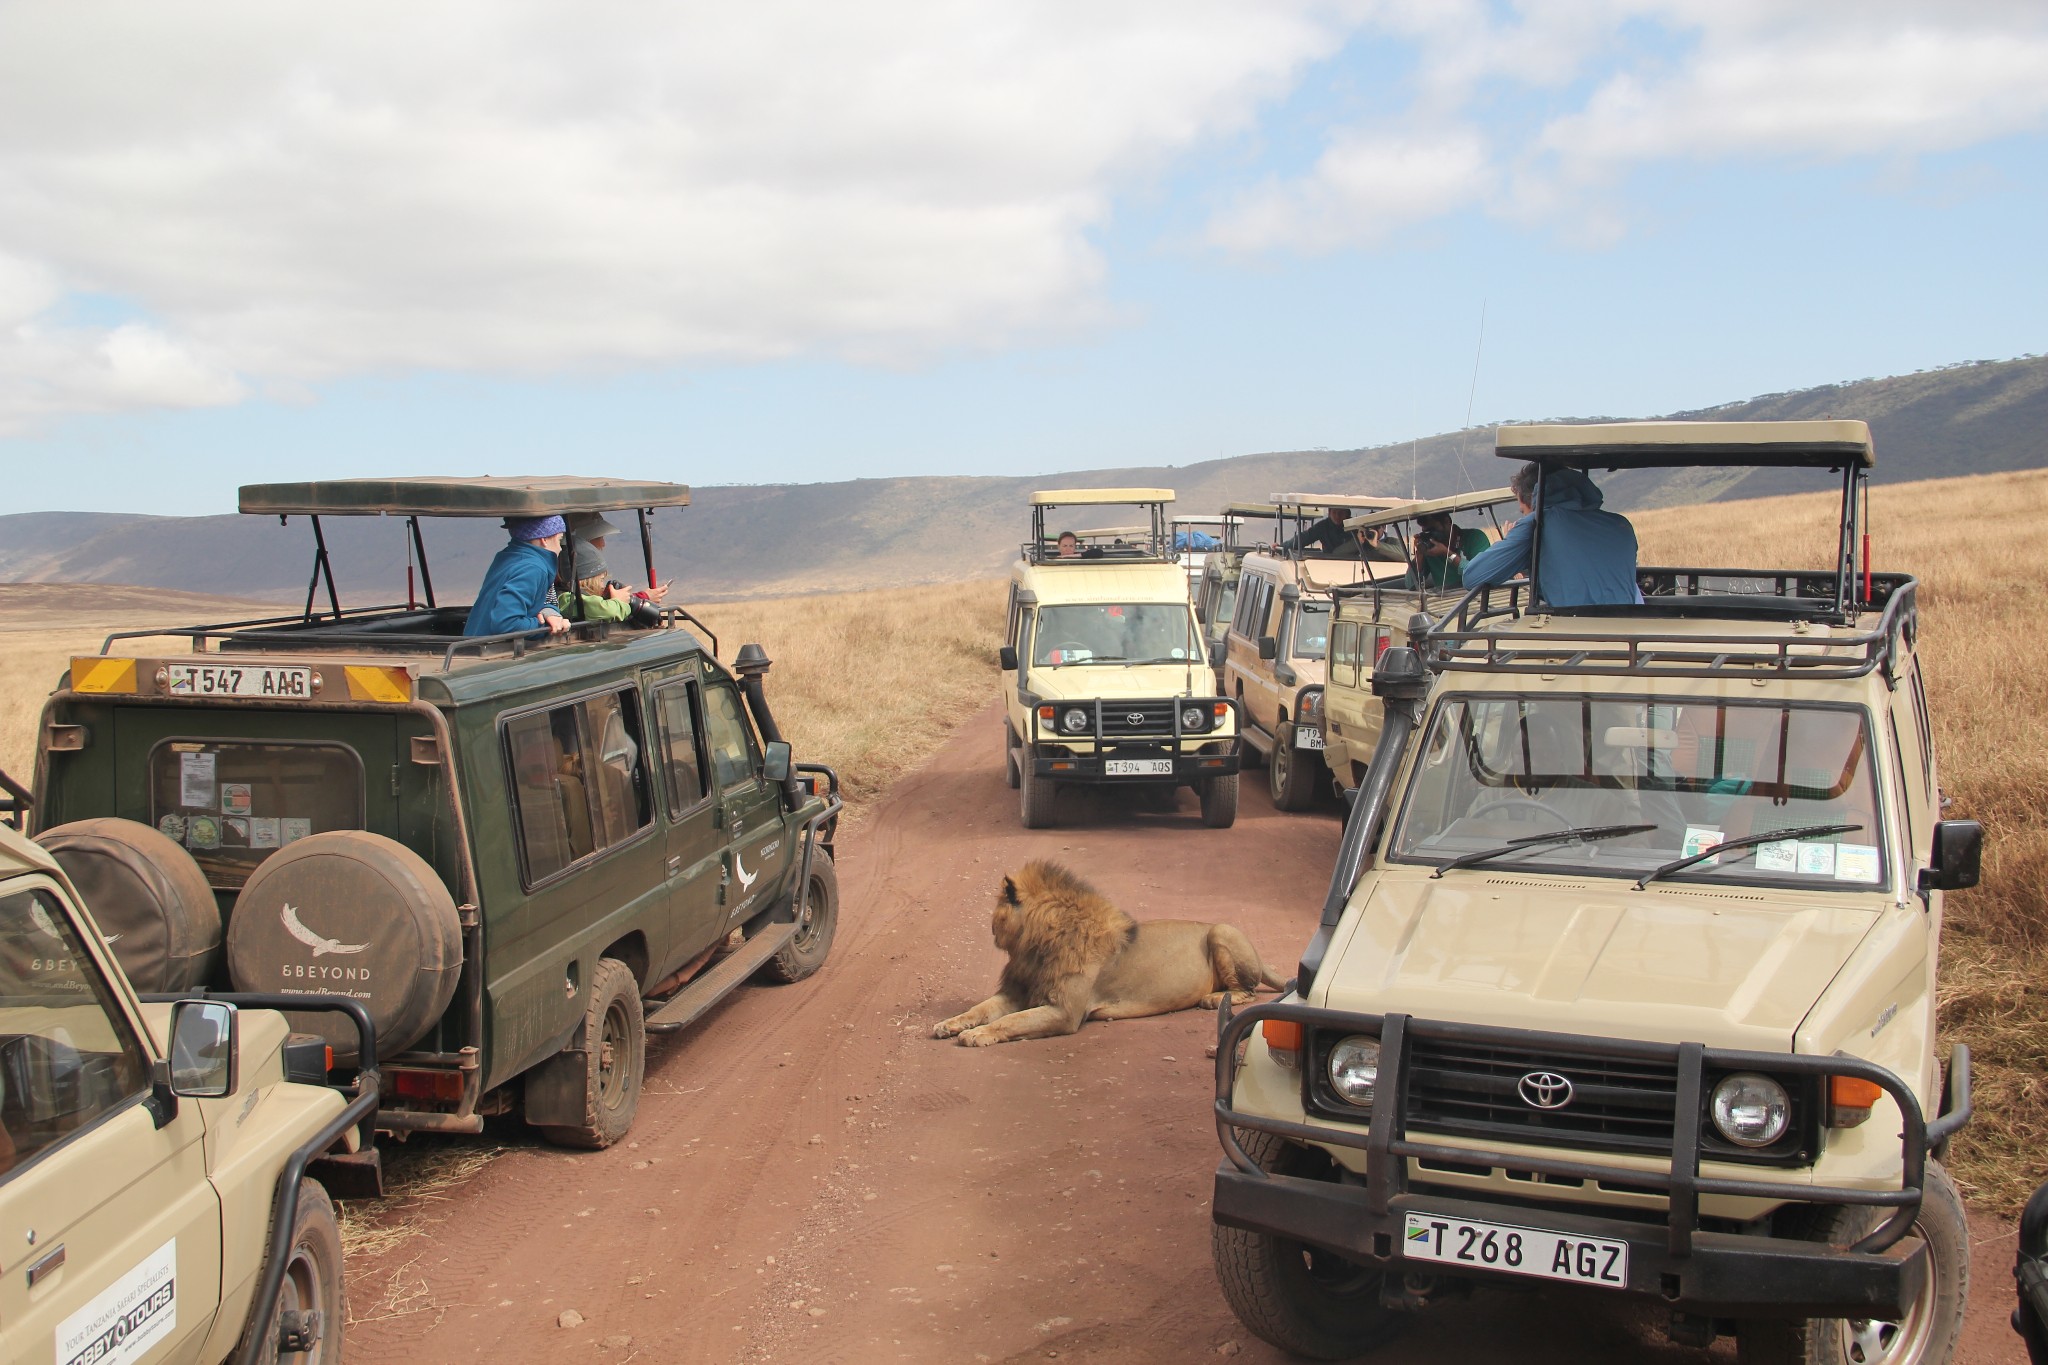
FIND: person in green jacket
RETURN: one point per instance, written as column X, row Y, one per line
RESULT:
column 604, row 598
column 1441, row 549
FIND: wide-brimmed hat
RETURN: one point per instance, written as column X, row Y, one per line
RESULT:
column 591, row 526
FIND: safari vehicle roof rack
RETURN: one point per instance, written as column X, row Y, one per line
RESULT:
column 1154, row 541
column 431, row 496
column 1839, row 446
column 1495, row 629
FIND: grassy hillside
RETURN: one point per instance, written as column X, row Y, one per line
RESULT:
column 785, row 540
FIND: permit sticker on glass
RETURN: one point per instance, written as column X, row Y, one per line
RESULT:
column 1782, row 855
column 1816, row 860
column 292, row 828
column 1699, row 841
column 235, row 798
column 1856, row 863
column 196, row 788
column 263, row 832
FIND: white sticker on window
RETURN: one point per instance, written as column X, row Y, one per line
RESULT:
column 196, row 785
column 1817, row 860
column 1698, row 841
column 1856, row 863
column 127, row 1318
column 1780, row 856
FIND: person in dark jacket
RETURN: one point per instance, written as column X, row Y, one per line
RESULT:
column 518, row 591
column 1327, row 535
column 1589, row 555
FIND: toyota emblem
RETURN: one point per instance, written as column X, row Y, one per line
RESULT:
column 1544, row 1090
column 1134, row 717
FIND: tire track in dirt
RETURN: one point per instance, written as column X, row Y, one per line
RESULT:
column 813, row 1178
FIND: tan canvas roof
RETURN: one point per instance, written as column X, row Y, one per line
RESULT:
column 1456, row 502
column 1291, row 501
column 1086, row 497
column 533, row 496
column 1251, row 509
column 1825, row 444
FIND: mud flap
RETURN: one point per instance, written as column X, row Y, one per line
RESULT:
column 350, row 1175
column 560, row 1090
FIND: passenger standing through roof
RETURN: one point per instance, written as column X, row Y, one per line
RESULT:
column 1443, row 548
column 1327, row 535
column 1589, row 555
column 604, row 598
column 518, row 591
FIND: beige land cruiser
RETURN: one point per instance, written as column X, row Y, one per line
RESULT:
column 1625, row 977
column 1374, row 614
column 1216, row 592
column 1105, row 676
column 165, row 1167
column 1279, row 633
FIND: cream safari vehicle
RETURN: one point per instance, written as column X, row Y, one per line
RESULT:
column 1216, row 593
column 1625, row 977
column 1278, row 635
column 1374, row 614
column 165, row 1167
column 1106, row 678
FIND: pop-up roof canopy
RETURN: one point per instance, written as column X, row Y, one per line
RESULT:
column 1409, row 511
column 1323, row 501
column 1251, row 509
column 1663, row 445
column 1092, row 497
column 442, row 497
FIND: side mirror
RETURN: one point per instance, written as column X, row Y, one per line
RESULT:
column 1006, row 658
column 1219, row 650
column 775, row 761
column 203, row 1048
column 1957, row 857
column 1269, row 648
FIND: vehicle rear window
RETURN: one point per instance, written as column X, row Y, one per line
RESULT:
column 234, row 803
column 67, row 1054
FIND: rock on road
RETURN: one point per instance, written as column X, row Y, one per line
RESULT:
column 812, row 1177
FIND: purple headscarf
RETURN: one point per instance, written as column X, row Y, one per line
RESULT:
column 535, row 528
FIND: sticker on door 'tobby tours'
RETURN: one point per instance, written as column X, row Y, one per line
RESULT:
column 128, row 1317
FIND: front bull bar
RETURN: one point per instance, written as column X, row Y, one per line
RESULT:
column 1727, row 1272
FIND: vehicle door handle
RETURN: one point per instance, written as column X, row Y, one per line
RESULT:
column 46, row 1267
column 675, row 865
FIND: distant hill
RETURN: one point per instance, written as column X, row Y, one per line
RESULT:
column 792, row 538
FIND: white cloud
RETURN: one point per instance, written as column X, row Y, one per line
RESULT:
column 292, row 193
column 1364, row 188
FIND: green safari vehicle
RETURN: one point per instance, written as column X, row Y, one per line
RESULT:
column 520, row 852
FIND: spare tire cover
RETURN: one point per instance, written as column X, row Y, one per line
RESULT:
column 148, row 897
column 348, row 912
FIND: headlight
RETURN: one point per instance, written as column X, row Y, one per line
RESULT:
column 1074, row 722
column 1308, row 709
column 1194, row 718
column 1355, row 1070
column 1751, row 1110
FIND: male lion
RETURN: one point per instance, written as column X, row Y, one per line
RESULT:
column 1074, row 956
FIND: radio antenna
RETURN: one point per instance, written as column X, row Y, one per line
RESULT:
column 1471, row 394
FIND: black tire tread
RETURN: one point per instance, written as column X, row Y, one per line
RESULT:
column 795, row 962
column 611, row 979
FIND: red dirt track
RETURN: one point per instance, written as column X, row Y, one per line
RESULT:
column 812, row 1177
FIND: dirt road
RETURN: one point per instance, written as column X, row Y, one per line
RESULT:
column 812, row 1177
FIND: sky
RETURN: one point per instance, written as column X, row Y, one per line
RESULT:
column 803, row 241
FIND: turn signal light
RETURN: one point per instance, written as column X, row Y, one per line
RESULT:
column 1045, row 715
column 1850, row 1099
column 1281, row 1035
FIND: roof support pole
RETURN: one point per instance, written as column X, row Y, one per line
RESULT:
column 419, row 547
column 321, row 569
column 647, row 548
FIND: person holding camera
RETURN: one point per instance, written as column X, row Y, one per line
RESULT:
column 598, row 596
column 1441, row 549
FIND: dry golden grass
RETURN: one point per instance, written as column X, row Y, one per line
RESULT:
column 1970, row 542
column 871, row 682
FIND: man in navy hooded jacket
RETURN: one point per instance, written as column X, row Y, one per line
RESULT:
column 518, row 591
column 1589, row 555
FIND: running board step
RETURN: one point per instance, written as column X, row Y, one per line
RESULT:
column 707, row 990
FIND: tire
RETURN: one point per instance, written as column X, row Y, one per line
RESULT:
column 312, row 1282
column 1010, row 770
column 1035, row 799
column 1291, row 780
column 615, row 1059
column 817, row 920
column 1299, row 1298
column 147, row 895
column 1219, row 802
column 1928, row 1333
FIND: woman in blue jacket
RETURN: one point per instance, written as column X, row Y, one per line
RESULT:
column 518, row 591
column 1589, row 555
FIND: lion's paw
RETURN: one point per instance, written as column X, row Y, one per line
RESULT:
column 945, row 1028
column 979, row 1037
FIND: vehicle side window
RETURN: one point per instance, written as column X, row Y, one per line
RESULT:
column 1919, row 690
column 67, row 1052
column 1344, row 652
column 682, row 758
column 732, row 739
column 577, row 779
column 1016, row 612
column 1912, row 796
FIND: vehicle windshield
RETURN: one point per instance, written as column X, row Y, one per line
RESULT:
column 1115, row 632
column 1496, row 769
column 1225, row 604
column 1312, row 630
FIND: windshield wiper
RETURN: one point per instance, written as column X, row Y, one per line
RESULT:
column 1585, row 834
column 1746, row 841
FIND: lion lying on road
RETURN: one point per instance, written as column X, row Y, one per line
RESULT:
column 1074, row 956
